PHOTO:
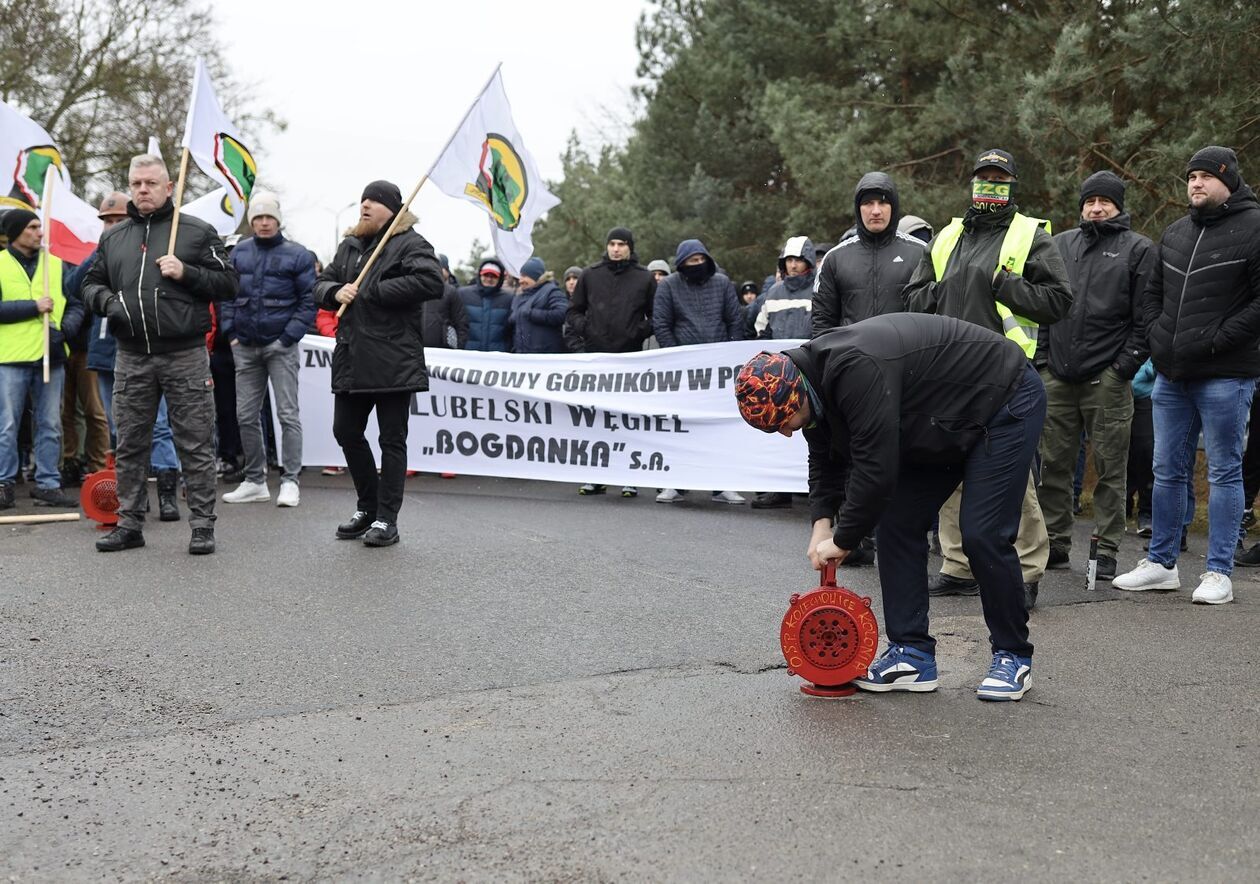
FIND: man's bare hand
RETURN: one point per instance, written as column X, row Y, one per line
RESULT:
column 171, row 267
column 820, row 532
column 828, row 551
column 347, row 293
column 44, row 305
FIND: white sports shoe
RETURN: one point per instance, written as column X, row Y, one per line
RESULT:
column 728, row 497
column 289, row 494
column 1148, row 575
column 1214, row 589
column 248, row 492
column 669, row 495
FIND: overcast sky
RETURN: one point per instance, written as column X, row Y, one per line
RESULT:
column 374, row 89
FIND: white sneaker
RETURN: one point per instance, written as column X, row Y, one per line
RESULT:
column 1214, row 589
column 289, row 494
column 248, row 492
column 1148, row 575
column 669, row 495
column 728, row 497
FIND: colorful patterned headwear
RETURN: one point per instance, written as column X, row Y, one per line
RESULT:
column 770, row 390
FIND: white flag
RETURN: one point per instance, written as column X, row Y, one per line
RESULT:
column 215, row 208
column 153, row 146
column 27, row 152
column 487, row 164
column 216, row 144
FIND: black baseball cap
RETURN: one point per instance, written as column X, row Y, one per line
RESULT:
column 998, row 159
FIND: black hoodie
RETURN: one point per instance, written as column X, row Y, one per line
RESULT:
column 1202, row 304
column 864, row 275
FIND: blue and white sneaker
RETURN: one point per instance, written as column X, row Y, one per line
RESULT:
column 900, row 669
column 1009, row 677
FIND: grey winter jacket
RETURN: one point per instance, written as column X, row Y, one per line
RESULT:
column 690, row 313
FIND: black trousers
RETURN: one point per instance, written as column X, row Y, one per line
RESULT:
column 994, row 477
column 1141, row 477
column 379, row 496
column 1251, row 457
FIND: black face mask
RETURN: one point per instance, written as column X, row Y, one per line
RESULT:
column 696, row 273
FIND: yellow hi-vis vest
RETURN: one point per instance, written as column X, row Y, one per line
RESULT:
column 24, row 341
column 1014, row 252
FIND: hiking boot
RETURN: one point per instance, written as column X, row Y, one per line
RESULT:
column 1059, row 556
column 1148, row 575
column 1106, row 567
column 771, row 500
column 381, row 534
column 356, row 527
column 8, row 499
column 168, row 495
column 1030, row 595
column 591, row 488
column 248, row 492
column 202, row 542
column 53, row 497
column 728, row 497
column 72, row 473
column 900, row 669
column 864, row 554
column 1248, row 559
column 120, row 539
column 1009, row 678
column 942, row 584
column 1214, row 589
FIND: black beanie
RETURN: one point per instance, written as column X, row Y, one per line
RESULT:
column 1107, row 184
column 623, row 234
column 385, row 193
column 15, row 221
column 1219, row 161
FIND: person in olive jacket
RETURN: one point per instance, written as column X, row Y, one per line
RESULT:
column 379, row 358
column 158, row 306
column 1202, row 315
column 1087, row 361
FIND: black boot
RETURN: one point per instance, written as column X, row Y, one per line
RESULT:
column 381, row 534
column 943, row 584
column 120, row 539
column 8, row 499
column 202, row 543
column 358, row 525
column 167, row 488
column 771, row 500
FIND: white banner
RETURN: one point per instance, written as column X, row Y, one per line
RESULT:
column 656, row 418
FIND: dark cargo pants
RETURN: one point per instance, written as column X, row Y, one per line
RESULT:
column 139, row 381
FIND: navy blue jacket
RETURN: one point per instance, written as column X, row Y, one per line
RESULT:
column 102, row 348
column 276, row 299
column 538, row 319
column 489, row 312
column 702, row 312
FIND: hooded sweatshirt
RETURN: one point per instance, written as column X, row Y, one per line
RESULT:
column 696, row 306
column 866, row 273
column 785, row 311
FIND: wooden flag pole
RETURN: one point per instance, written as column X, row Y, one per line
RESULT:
column 46, row 205
column 179, row 198
column 390, row 232
column 36, row 519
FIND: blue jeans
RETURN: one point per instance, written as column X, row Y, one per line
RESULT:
column 16, row 382
column 162, row 456
column 1218, row 406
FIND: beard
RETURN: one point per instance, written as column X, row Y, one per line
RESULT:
column 366, row 228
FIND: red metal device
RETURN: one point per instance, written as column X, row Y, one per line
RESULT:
column 829, row 637
column 99, row 495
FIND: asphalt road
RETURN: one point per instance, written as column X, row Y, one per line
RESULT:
column 538, row 686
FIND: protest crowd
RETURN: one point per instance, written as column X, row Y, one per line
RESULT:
column 181, row 365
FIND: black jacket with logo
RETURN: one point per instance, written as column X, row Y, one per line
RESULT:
column 1202, row 305
column 380, row 339
column 967, row 289
column 1108, row 265
column 865, row 274
column 900, row 388
column 146, row 311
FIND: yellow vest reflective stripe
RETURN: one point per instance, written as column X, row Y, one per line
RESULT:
column 24, row 341
column 1014, row 253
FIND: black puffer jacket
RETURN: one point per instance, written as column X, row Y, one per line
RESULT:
column 611, row 310
column 445, row 320
column 380, row 339
column 968, row 290
column 866, row 273
column 896, row 389
column 145, row 311
column 1202, row 305
column 1108, row 265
